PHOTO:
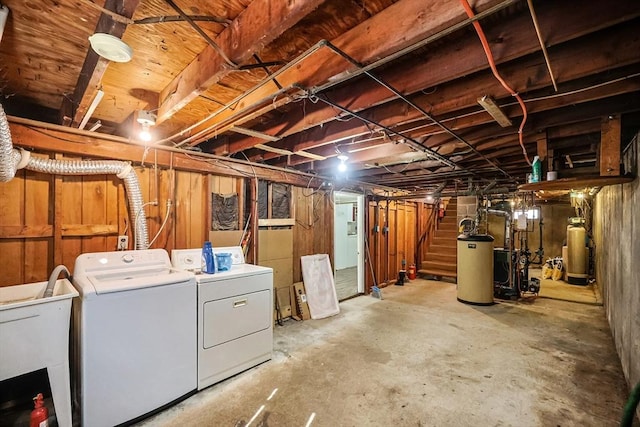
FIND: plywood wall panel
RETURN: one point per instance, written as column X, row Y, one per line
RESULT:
column 389, row 248
column 302, row 244
column 401, row 236
column 410, row 233
column 94, row 210
column 111, row 240
column 65, row 216
column 183, row 209
column 71, row 214
column 166, row 237
column 313, row 232
column 392, row 244
column 12, row 213
column 37, row 211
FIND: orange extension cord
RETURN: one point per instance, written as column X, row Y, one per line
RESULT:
column 492, row 64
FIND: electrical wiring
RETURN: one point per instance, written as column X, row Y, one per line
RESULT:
column 255, row 175
column 166, row 218
column 135, row 235
column 492, row 64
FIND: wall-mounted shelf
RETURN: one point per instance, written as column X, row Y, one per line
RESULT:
column 575, row 183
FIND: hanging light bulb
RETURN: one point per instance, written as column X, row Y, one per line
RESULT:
column 146, row 119
column 145, row 135
column 342, row 167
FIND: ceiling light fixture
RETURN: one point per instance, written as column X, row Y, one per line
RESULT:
column 494, row 110
column 110, row 47
column 146, row 119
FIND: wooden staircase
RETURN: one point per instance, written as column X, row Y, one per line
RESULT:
column 441, row 258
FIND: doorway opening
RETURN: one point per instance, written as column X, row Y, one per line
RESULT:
column 348, row 244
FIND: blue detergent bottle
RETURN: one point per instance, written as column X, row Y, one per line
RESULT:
column 208, row 263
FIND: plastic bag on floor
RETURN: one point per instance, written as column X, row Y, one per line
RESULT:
column 547, row 269
column 557, row 271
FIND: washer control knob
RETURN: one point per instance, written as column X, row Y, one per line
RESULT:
column 128, row 258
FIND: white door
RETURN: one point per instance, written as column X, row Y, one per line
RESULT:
column 348, row 244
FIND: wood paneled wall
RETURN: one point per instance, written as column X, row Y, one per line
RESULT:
column 46, row 220
column 313, row 232
column 392, row 228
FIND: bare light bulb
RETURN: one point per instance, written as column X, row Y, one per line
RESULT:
column 342, row 167
column 145, row 135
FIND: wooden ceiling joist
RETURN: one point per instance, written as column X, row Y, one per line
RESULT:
column 26, row 134
column 257, row 26
column 517, row 38
column 94, row 66
column 367, row 42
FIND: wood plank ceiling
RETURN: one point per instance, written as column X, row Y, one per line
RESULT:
column 393, row 85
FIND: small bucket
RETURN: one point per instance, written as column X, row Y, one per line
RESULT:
column 224, row 261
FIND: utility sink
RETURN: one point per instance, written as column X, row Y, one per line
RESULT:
column 34, row 334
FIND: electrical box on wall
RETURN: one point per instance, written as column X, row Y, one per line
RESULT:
column 123, row 243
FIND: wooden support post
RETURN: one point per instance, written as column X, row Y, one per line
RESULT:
column 254, row 220
column 610, row 146
column 542, row 147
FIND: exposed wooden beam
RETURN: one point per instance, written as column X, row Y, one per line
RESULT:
column 257, row 26
column 610, row 146
column 367, row 42
column 57, row 139
column 515, row 38
column 94, row 65
column 542, row 147
column 437, row 138
column 461, row 94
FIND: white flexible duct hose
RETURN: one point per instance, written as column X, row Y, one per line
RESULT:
column 9, row 158
column 12, row 160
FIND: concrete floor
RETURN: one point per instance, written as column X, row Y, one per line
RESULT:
column 420, row 358
column 346, row 282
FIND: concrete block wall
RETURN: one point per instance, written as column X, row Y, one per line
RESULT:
column 616, row 227
column 467, row 207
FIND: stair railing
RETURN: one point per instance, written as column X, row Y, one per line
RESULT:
column 425, row 239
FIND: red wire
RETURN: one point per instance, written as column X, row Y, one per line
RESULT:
column 492, row 64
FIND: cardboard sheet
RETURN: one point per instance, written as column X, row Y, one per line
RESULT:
column 317, row 275
column 302, row 307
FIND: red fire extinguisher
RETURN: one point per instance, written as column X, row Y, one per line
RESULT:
column 412, row 272
column 40, row 415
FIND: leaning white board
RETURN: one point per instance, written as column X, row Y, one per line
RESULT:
column 319, row 286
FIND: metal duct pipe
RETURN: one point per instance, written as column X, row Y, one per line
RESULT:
column 507, row 224
column 11, row 160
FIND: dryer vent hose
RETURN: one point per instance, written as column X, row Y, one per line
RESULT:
column 12, row 159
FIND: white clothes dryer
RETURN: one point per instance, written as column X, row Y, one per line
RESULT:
column 134, row 334
column 235, row 314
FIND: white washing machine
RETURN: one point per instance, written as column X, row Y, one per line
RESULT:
column 235, row 314
column 134, row 335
